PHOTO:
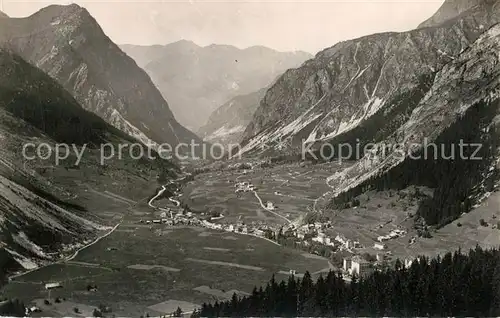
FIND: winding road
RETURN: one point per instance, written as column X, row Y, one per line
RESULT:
column 150, row 203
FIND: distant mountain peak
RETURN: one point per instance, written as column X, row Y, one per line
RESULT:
column 198, row 80
column 183, row 45
column 185, row 42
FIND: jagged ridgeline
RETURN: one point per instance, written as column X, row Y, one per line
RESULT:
column 452, row 170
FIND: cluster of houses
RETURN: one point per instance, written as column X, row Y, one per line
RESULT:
column 392, row 235
column 244, row 187
column 316, row 230
column 180, row 217
column 238, row 228
column 167, row 217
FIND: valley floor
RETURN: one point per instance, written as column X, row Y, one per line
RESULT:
column 143, row 267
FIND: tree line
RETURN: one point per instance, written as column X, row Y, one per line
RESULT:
column 456, row 284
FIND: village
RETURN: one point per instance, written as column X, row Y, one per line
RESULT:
column 315, row 238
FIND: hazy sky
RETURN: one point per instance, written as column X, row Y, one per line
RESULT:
column 282, row 25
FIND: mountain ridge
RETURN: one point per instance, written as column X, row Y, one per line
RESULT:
column 463, row 102
column 200, row 79
column 345, row 85
column 43, row 211
column 67, row 43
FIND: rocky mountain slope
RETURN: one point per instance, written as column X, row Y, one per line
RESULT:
column 68, row 44
column 197, row 80
column 43, row 212
column 461, row 107
column 451, row 9
column 363, row 88
column 228, row 122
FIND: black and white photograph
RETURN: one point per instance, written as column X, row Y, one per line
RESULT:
column 249, row 158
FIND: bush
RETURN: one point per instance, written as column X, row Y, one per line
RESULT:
column 46, row 302
column 426, row 234
column 104, row 308
column 97, row 313
column 482, row 222
column 178, row 312
column 76, row 310
column 355, row 203
column 459, row 224
column 370, row 258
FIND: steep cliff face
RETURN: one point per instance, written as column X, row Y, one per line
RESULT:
column 69, row 45
column 345, row 85
column 198, row 80
column 34, row 222
column 462, row 106
column 227, row 124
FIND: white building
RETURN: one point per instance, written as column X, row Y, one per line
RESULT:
column 346, row 264
column 360, row 266
column 259, row 232
column 53, row 285
column 379, row 246
column 269, row 205
column 340, row 239
column 408, row 262
column 319, row 239
column 382, row 238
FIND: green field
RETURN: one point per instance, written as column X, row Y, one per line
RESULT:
column 291, row 188
column 190, row 258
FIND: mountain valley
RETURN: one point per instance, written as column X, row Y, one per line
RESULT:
column 297, row 223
